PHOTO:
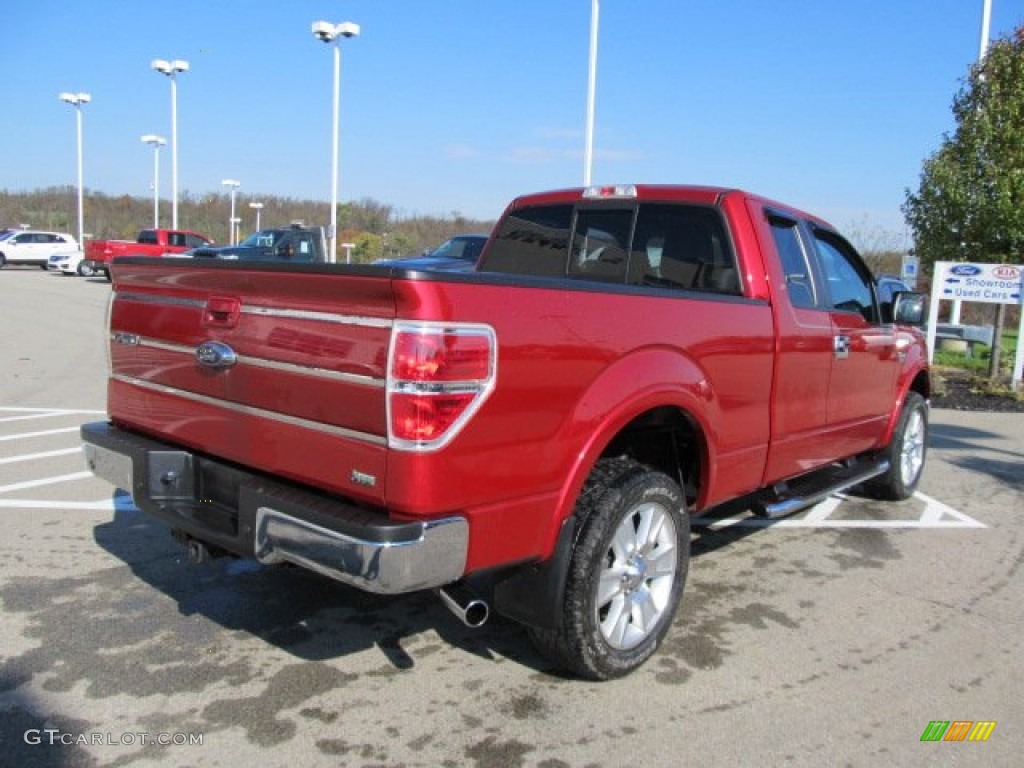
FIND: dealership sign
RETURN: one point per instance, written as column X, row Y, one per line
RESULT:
column 986, row 283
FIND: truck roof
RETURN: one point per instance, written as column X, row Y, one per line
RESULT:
column 682, row 193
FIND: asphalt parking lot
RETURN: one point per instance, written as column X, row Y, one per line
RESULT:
column 836, row 637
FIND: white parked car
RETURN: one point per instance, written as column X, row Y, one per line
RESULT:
column 70, row 263
column 30, row 246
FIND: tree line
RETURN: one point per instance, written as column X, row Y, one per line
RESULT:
column 375, row 228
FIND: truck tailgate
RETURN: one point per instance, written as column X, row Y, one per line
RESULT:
column 279, row 371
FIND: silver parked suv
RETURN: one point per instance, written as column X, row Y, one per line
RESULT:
column 30, row 246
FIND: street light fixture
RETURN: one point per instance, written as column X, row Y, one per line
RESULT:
column 171, row 69
column 330, row 33
column 77, row 100
column 233, row 186
column 588, row 149
column 257, row 207
column 155, row 142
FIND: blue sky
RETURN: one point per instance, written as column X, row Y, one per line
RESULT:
column 463, row 104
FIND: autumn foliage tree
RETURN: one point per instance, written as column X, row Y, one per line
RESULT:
column 969, row 204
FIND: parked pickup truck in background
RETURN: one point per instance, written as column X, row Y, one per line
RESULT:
column 294, row 244
column 529, row 438
column 150, row 242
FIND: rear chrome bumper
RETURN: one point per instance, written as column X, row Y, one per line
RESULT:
column 255, row 516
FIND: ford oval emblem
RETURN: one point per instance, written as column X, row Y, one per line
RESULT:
column 965, row 270
column 214, row 354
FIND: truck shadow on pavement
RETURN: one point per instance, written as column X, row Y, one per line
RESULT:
column 304, row 614
column 308, row 616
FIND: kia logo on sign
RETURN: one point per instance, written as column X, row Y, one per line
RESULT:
column 1007, row 272
column 214, row 354
column 965, row 270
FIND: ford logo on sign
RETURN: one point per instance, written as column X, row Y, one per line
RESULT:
column 214, row 354
column 965, row 270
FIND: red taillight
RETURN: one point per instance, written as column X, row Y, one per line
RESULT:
column 444, row 356
column 439, row 375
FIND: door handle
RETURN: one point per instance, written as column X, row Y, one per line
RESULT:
column 841, row 346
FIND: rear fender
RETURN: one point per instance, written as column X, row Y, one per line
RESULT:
column 640, row 382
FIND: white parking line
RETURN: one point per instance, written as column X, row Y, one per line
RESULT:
column 60, row 411
column 120, row 503
column 26, row 435
column 43, row 455
column 44, row 481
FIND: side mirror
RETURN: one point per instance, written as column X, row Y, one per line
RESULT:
column 908, row 308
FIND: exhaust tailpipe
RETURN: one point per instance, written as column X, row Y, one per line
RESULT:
column 198, row 552
column 471, row 609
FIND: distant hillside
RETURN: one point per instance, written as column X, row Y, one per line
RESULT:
column 372, row 226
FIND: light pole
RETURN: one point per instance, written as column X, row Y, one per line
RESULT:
column 257, row 207
column 986, row 23
column 330, row 33
column 171, row 69
column 588, row 149
column 232, row 185
column 155, row 142
column 77, row 100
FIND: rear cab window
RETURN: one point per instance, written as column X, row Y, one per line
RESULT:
column 679, row 246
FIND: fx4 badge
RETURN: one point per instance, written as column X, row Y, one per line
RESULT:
column 214, row 354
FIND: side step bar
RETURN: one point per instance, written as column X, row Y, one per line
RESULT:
column 787, row 498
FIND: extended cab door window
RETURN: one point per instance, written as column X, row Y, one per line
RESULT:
column 795, row 264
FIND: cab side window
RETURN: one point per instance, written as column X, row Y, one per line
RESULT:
column 849, row 284
column 795, row 265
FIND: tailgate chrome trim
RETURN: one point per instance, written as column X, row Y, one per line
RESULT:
column 295, row 314
column 249, row 410
column 325, row 317
column 258, row 362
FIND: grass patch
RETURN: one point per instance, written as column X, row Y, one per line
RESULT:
column 978, row 361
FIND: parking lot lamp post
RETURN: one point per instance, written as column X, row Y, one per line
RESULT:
column 233, row 186
column 588, row 149
column 257, row 207
column 155, row 142
column 171, row 69
column 330, row 33
column 77, row 100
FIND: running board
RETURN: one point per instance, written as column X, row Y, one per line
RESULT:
column 806, row 491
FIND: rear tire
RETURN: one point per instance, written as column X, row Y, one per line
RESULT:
column 84, row 270
column 626, row 573
column 905, row 452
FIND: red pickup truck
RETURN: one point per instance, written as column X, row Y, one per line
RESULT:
column 532, row 436
column 150, row 242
